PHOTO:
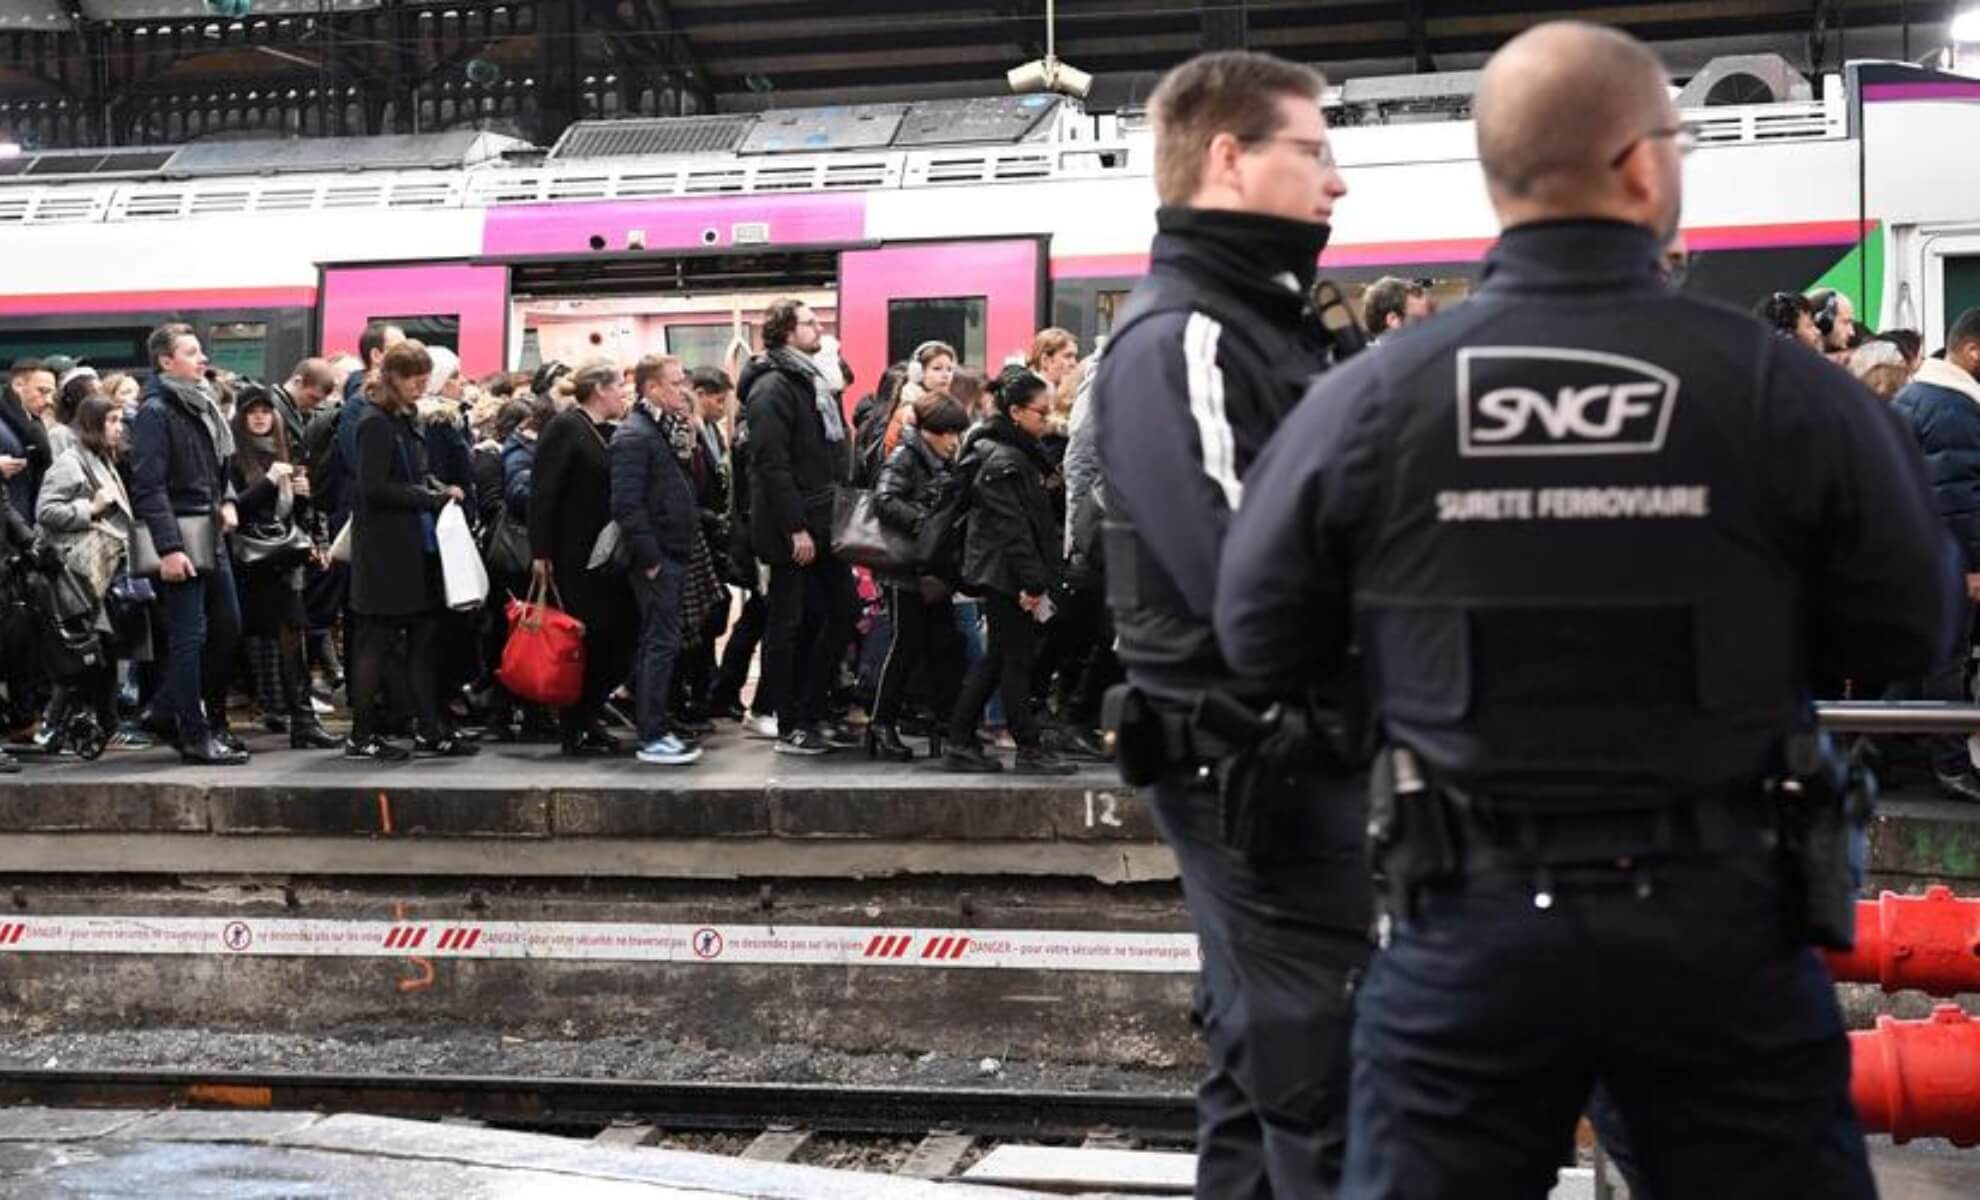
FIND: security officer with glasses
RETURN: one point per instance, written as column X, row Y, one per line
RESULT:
column 1597, row 545
column 1212, row 351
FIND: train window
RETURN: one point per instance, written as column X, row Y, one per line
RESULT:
column 706, row 344
column 430, row 330
column 1962, row 287
column 240, row 347
column 959, row 320
column 104, row 348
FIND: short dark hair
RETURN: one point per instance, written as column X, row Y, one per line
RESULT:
column 1230, row 91
column 1387, row 296
column 1783, row 311
column 372, row 341
column 1965, row 328
column 501, row 383
column 711, row 381
column 315, row 372
column 939, row 412
column 780, row 322
column 163, row 341
column 513, row 415
column 28, row 366
column 1016, row 387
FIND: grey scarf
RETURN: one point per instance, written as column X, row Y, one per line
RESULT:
column 199, row 399
column 826, row 398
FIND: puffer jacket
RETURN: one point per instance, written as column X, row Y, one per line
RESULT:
column 1942, row 406
column 1013, row 543
column 915, row 483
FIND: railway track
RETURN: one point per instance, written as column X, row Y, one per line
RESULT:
column 576, row 1106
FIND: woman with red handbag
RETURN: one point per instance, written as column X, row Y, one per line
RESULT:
column 396, row 591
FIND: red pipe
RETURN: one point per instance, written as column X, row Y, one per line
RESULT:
column 1929, row 942
column 1919, row 1078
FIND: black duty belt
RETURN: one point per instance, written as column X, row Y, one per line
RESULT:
column 1496, row 835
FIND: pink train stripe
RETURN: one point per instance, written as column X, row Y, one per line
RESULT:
column 53, row 304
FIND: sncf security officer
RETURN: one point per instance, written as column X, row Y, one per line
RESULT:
column 1215, row 348
column 1598, row 544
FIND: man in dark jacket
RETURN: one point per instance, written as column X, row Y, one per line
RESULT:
column 1594, row 579
column 653, row 502
column 24, row 451
column 180, row 447
column 296, row 400
column 1942, row 406
column 797, row 449
column 1216, row 347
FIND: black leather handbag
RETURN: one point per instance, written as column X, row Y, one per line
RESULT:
column 278, row 546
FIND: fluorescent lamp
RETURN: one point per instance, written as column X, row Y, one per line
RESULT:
column 1966, row 27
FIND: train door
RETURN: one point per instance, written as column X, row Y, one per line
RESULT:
column 985, row 298
column 1951, row 281
column 461, row 306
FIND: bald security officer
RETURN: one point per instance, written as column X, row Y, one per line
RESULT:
column 1598, row 544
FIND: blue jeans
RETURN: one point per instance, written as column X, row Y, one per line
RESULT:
column 202, row 624
column 1717, row 1040
column 659, row 645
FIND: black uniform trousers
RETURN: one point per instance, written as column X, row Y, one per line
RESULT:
column 1284, row 942
column 1488, row 1019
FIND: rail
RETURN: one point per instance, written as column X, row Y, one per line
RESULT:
column 1907, row 716
column 553, row 1103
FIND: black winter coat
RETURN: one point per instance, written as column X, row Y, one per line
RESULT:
column 570, row 500
column 1013, row 544
column 652, row 497
column 485, row 465
column 793, row 467
column 1946, row 421
column 392, row 572
column 175, row 469
column 915, row 483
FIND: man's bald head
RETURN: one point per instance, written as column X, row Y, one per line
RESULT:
column 1557, row 105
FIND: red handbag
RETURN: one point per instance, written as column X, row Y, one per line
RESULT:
column 543, row 660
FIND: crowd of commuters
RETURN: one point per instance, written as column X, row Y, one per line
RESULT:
column 273, row 549
column 688, row 523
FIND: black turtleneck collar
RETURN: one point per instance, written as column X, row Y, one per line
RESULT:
column 1583, row 252
column 1250, row 253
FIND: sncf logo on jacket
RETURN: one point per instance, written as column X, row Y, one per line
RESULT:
column 1542, row 401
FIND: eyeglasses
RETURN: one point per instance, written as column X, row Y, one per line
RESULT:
column 1317, row 149
column 1684, row 136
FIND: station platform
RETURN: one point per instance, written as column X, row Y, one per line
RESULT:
column 525, row 811
column 111, row 1154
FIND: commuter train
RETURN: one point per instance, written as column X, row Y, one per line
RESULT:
column 977, row 221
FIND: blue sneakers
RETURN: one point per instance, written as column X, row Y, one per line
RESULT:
column 668, row 751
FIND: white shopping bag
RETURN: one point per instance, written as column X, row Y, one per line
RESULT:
column 460, row 561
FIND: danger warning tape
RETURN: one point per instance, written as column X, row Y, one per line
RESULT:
column 741, row 945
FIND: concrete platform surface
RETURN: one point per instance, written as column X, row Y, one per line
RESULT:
column 742, row 810
column 46, row 1153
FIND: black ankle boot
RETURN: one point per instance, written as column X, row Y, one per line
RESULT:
column 884, row 741
column 308, row 733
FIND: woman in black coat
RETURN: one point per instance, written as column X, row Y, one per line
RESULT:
column 570, row 501
column 271, row 494
column 1010, row 557
column 916, row 483
column 396, row 591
